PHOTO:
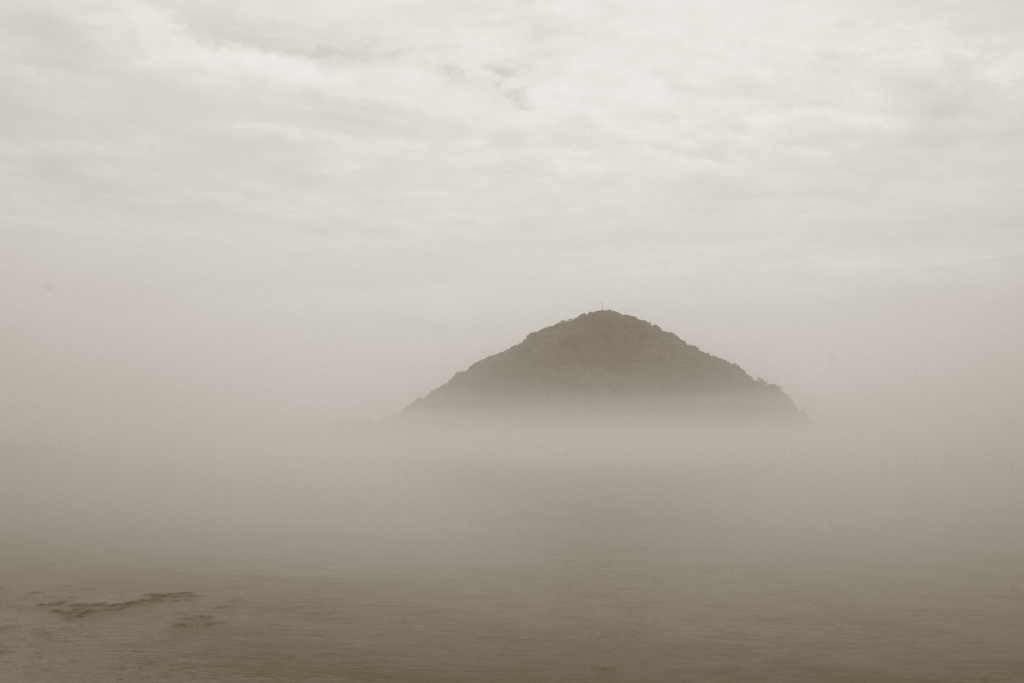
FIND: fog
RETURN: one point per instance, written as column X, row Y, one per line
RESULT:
column 248, row 447
column 237, row 239
column 519, row 548
column 410, row 490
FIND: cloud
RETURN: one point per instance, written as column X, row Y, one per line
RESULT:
column 546, row 125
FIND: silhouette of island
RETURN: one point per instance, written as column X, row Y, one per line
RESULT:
column 608, row 360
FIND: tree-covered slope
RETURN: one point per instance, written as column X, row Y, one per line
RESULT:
column 607, row 358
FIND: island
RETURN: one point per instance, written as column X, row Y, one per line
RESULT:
column 608, row 361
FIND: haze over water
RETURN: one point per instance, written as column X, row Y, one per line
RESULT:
column 515, row 551
column 235, row 238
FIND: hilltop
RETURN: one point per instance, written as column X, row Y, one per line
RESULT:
column 610, row 360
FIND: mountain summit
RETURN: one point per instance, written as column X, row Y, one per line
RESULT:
column 608, row 360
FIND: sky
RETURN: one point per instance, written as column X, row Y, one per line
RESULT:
column 228, row 207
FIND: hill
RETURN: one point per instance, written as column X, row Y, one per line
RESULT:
column 609, row 360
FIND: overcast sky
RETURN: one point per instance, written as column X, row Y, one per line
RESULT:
column 333, row 206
